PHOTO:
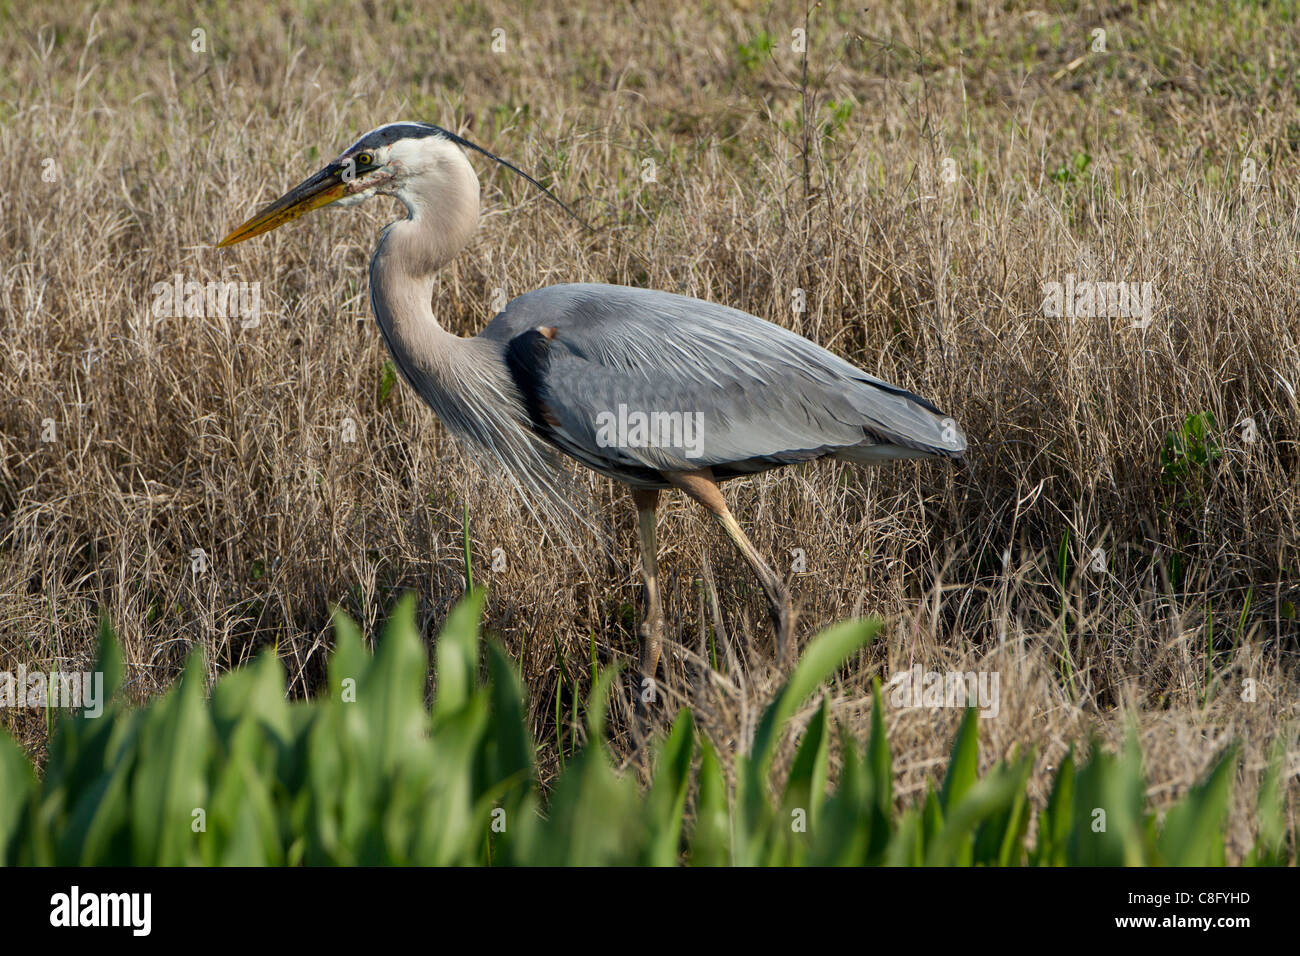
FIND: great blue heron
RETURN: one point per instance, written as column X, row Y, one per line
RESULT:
column 652, row 389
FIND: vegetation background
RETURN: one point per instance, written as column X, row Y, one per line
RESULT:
column 1123, row 549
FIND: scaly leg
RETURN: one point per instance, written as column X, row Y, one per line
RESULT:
column 701, row 486
column 651, row 631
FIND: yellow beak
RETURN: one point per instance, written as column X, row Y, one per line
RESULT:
column 320, row 190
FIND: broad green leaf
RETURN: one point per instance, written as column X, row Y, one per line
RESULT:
column 823, row 656
column 1270, row 813
column 1054, row 822
column 906, row 846
column 999, row 841
column 952, row 845
column 390, row 696
column 710, row 843
column 511, row 746
column 879, row 764
column 17, row 791
column 1107, row 826
column 348, row 660
column 963, row 763
column 848, row 819
column 108, row 660
column 170, row 780
column 364, row 774
column 1193, row 831
column 241, row 828
column 457, row 655
column 805, row 788
column 667, row 799
column 255, row 691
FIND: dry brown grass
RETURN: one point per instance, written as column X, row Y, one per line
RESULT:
column 175, row 433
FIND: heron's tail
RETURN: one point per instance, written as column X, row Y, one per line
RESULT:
column 900, row 424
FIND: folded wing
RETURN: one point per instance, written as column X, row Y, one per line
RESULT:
column 634, row 382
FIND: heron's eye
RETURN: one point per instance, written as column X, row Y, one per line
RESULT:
column 364, row 159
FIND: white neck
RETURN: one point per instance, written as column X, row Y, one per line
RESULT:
column 442, row 210
column 464, row 380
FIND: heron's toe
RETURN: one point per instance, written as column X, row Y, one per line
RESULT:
column 651, row 635
column 781, row 609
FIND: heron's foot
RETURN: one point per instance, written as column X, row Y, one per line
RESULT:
column 780, row 609
column 651, row 635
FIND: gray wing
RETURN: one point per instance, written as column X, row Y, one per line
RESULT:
column 634, row 382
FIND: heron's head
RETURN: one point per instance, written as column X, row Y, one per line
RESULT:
column 418, row 163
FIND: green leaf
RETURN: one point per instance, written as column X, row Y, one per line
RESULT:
column 906, row 846
column 1193, row 830
column 666, row 805
column 170, row 780
column 241, row 826
column 931, row 817
column 1000, row 839
column 963, row 764
column 1055, row 821
column 387, row 378
column 879, row 763
column 457, row 655
column 844, row 835
column 17, row 792
column 805, row 788
column 108, row 660
column 1107, row 825
column 97, row 830
column 1270, row 813
column 389, row 720
column 711, row 836
column 598, row 704
column 364, row 775
column 985, row 799
column 511, row 755
column 827, row 652
column 753, row 812
column 348, row 660
column 253, row 692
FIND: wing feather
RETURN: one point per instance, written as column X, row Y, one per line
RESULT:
column 587, row 355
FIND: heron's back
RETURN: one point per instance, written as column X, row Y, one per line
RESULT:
column 583, row 354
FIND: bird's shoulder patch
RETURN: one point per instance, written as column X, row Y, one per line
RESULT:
column 528, row 360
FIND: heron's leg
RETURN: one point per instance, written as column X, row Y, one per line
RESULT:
column 701, row 486
column 651, row 631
